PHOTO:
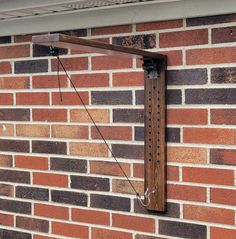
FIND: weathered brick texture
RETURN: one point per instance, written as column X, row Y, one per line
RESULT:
column 57, row 177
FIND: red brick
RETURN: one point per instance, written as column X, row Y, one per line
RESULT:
column 223, row 116
column 111, row 30
column 187, row 155
column 99, row 233
column 223, row 196
column 174, row 58
column 159, row 25
column 14, row 82
column 25, row 37
column 133, row 223
column 50, row 115
column 183, row 38
column 91, row 80
column 110, row 62
column 88, row 149
column 109, row 168
column 91, row 216
column 6, row 220
column 5, row 68
column 187, row 116
column 14, row 51
column 222, row 233
column 208, row 176
column 138, row 170
column 69, row 98
column 128, row 79
column 209, row 136
column 49, row 81
column 209, row 214
column 33, row 130
column 186, row 193
column 32, row 98
column 70, row 131
column 70, row 230
column 48, row 179
column 211, row 56
column 99, row 115
column 112, row 132
column 72, row 64
column 49, row 211
column 6, row 99
column 31, row 162
column 172, row 173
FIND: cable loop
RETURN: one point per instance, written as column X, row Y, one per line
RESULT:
column 146, row 198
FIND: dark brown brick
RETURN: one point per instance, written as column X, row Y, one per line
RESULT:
column 187, row 77
column 32, row 224
column 90, row 183
column 34, row 66
column 183, row 230
column 15, row 114
column 223, row 75
column 14, row 176
column 139, row 236
column 5, row 160
column 45, row 51
column 48, row 147
column 139, row 133
column 15, row 206
column 139, row 97
column 7, row 234
column 111, row 97
column 68, row 165
column 6, row 190
column 73, row 198
column 128, row 151
column 14, row 145
column 139, row 41
column 173, row 210
column 5, row 39
column 128, row 115
column 173, row 135
column 223, row 156
column 40, row 194
column 211, row 20
column 173, row 97
column 210, row 96
column 223, row 35
column 110, row 202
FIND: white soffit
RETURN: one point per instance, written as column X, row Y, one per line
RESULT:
column 35, row 16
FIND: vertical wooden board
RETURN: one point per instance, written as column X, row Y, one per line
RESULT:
column 155, row 146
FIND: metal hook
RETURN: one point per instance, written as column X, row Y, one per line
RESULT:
column 146, row 195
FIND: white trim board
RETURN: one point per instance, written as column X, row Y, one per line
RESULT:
column 111, row 16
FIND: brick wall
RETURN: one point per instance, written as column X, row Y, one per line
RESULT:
column 57, row 179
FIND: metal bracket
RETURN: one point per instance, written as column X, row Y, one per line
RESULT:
column 152, row 67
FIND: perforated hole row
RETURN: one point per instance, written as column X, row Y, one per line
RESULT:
column 150, row 124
